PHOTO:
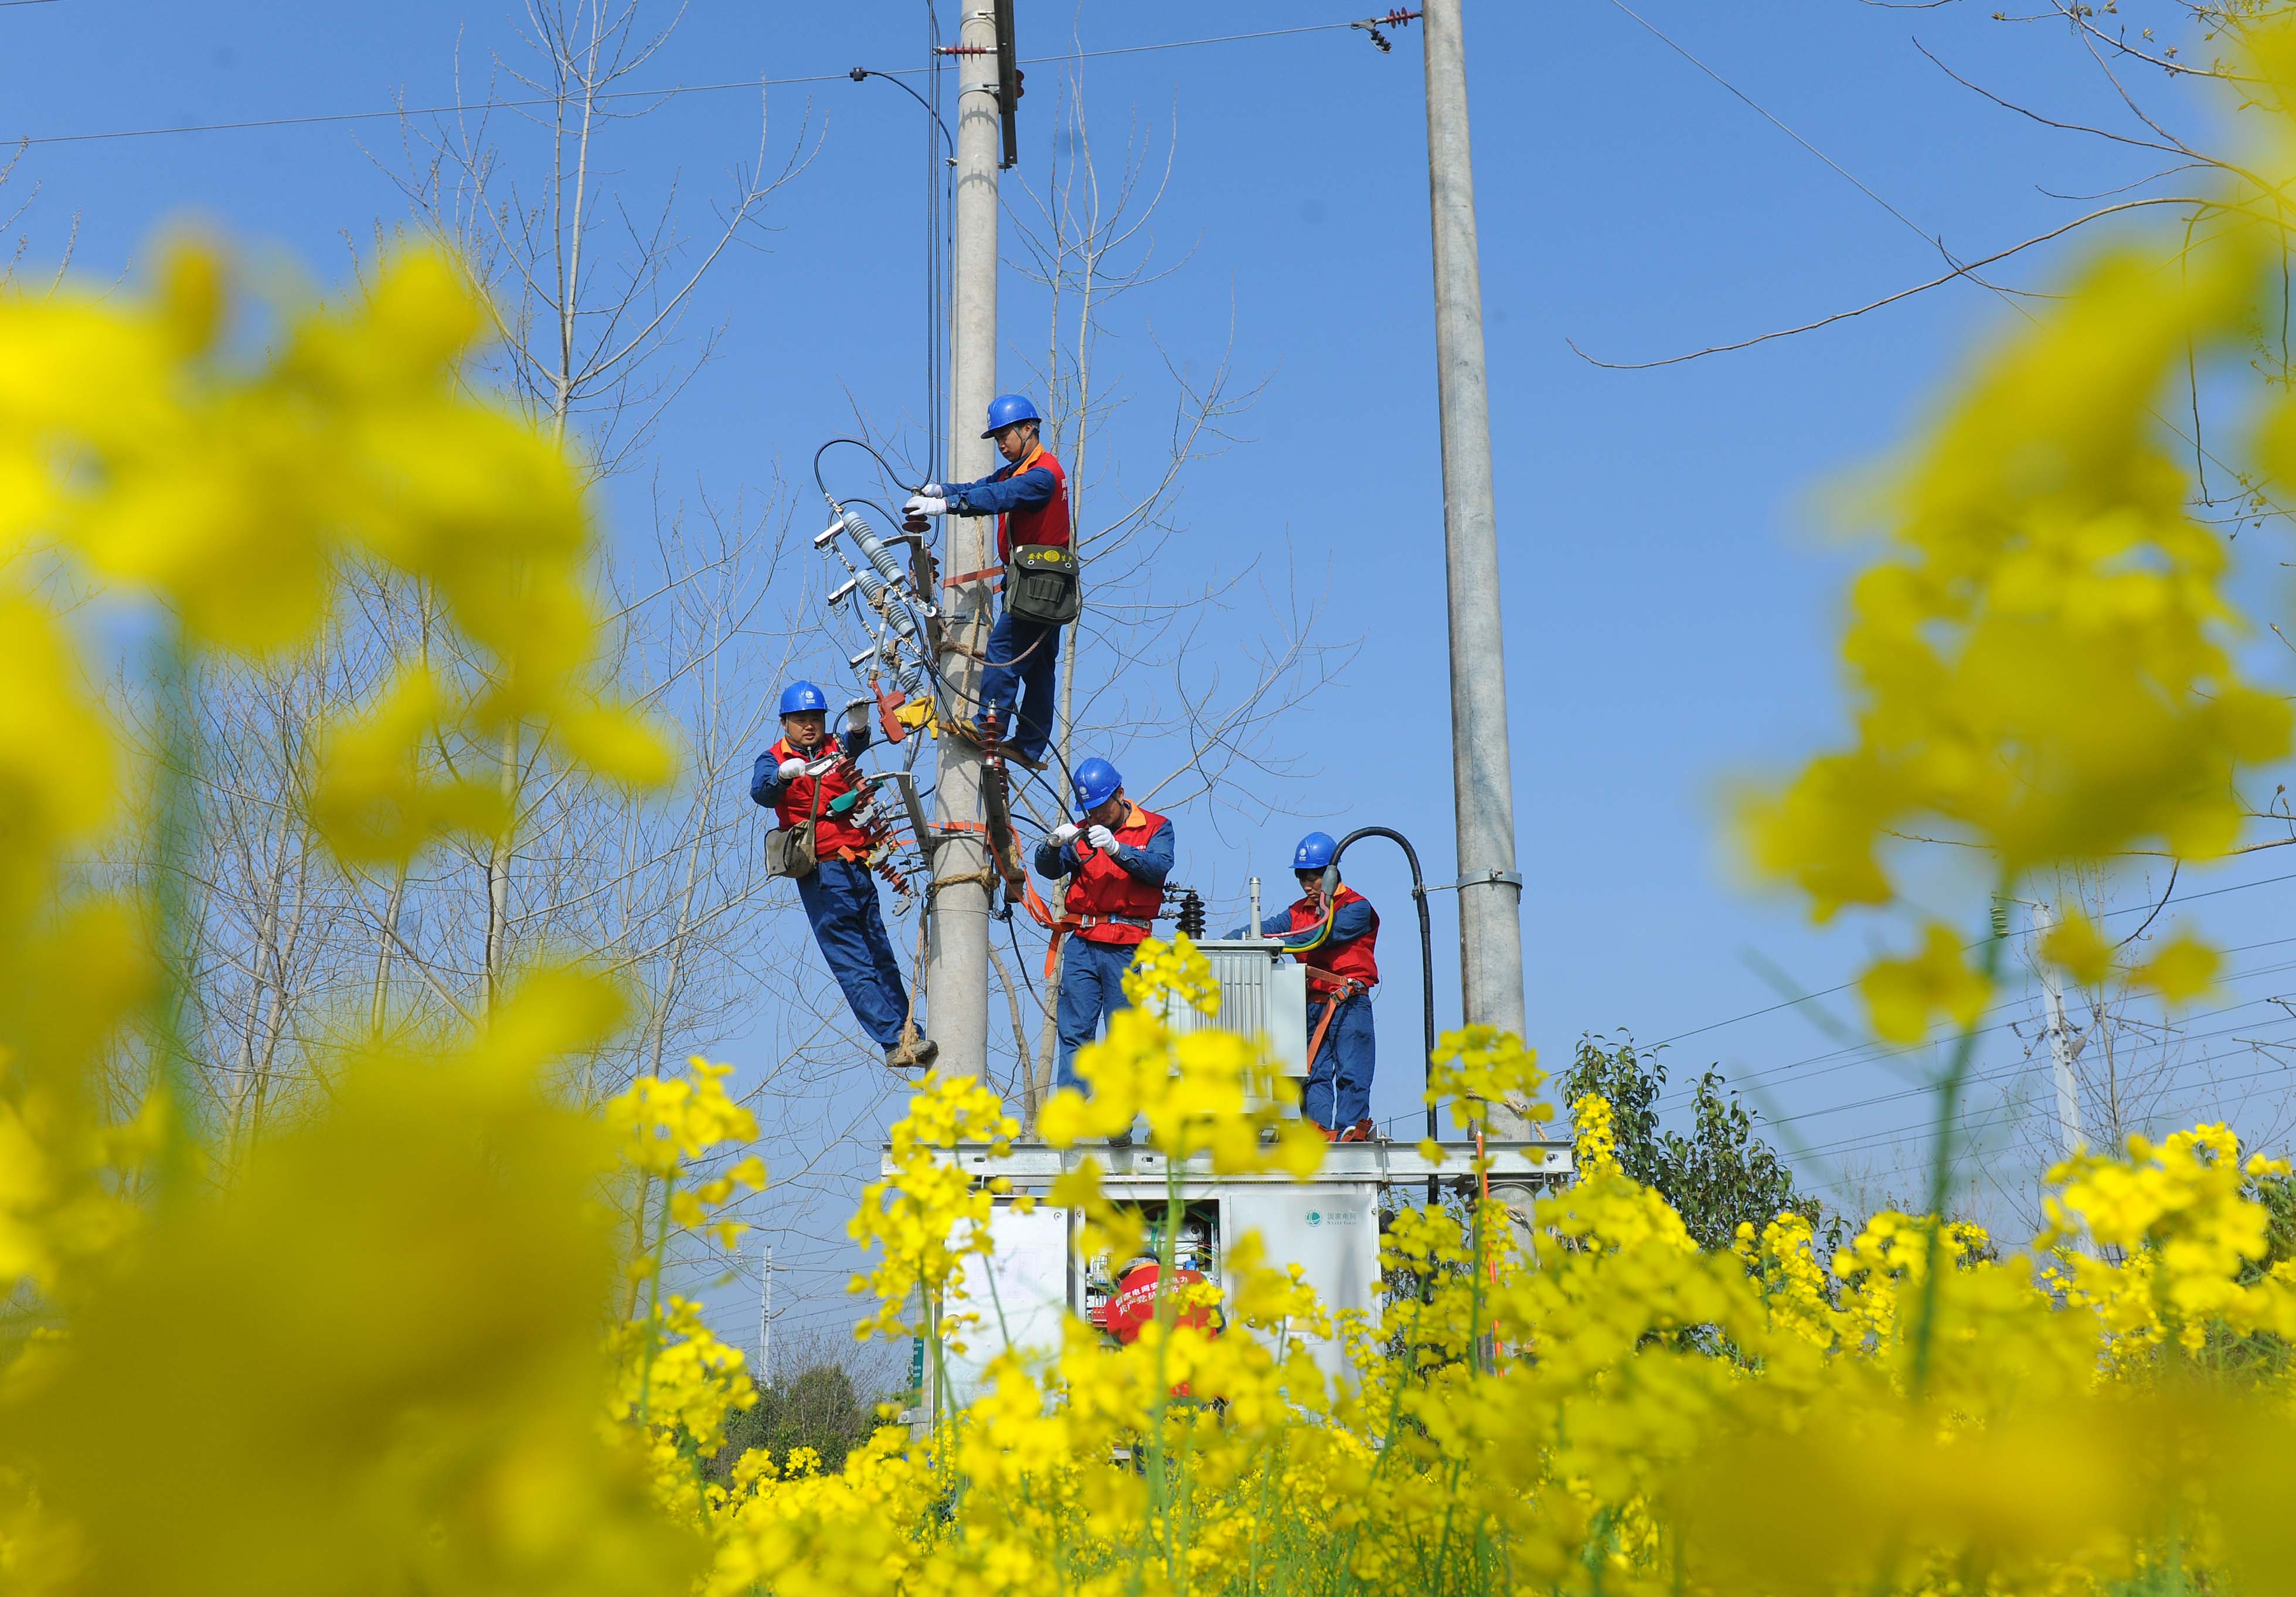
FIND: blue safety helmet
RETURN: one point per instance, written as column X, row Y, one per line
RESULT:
column 1096, row 782
column 1005, row 409
column 1315, row 852
column 803, row 695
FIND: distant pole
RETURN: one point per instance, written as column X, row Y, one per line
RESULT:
column 957, row 935
column 765, row 1324
column 1491, row 896
column 2059, row 1034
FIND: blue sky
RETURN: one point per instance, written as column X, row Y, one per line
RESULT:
column 1669, row 583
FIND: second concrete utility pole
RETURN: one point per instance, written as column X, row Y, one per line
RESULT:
column 1490, row 890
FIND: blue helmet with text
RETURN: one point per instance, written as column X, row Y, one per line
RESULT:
column 803, row 695
column 1096, row 781
column 1005, row 409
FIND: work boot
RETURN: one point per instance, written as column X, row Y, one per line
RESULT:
column 1362, row 1130
column 1006, row 751
column 917, row 1053
column 1122, row 1139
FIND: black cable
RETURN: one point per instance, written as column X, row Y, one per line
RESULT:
column 892, row 477
column 1426, row 954
column 1013, row 933
column 858, row 73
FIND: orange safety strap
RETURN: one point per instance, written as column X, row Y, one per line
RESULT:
column 1334, row 998
column 961, row 578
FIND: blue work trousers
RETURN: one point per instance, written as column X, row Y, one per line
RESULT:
column 840, row 901
column 1023, row 656
column 1092, row 988
column 1338, row 1094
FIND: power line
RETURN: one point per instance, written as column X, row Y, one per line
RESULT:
column 1873, row 1051
column 672, row 92
column 1975, row 1118
column 1789, row 1003
column 2007, row 1072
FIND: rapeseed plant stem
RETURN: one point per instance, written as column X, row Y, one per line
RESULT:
column 1935, row 1263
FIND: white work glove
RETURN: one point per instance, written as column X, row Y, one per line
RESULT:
column 792, row 769
column 1101, row 838
column 1063, row 835
column 924, row 505
column 932, row 490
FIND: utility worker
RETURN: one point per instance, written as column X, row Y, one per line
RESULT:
column 1028, row 495
column 1335, row 939
column 1133, row 1304
column 801, row 777
column 1116, row 857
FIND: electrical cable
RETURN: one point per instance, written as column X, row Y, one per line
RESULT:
column 1789, row 1003
column 1012, row 932
column 1976, row 1117
column 892, row 477
column 672, row 92
column 1426, row 951
column 860, row 74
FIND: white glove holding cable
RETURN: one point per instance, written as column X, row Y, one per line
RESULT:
column 792, row 769
column 1103, row 839
column 933, row 490
column 1063, row 835
column 920, row 504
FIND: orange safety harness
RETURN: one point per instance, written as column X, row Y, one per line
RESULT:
column 1336, row 990
column 1061, row 925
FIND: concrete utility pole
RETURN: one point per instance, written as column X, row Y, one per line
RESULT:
column 957, row 939
column 765, row 1323
column 2060, row 1040
column 1490, row 893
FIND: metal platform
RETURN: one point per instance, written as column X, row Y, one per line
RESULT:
column 1038, row 1278
column 1031, row 1165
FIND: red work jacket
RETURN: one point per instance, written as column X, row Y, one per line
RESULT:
column 1352, row 961
column 1047, row 523
column 830, row 833
column 1101, row 886
column 1134, row 1305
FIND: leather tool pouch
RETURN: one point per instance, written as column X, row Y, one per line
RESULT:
column 790, row 850
column 1043, row 584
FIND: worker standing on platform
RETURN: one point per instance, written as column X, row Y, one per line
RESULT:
column 1336, row 939
column 801, row 778
column 1028, row 495
column 1116, row 857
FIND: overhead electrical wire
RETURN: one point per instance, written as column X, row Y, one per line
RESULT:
column 1788, row 1003
column 668, row 93
column 1870, row 1050
column 1978, row 1117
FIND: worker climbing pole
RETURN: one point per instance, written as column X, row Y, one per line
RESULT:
column 835, row 840
column 1035, row 572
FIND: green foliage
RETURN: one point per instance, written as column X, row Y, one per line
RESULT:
column 818, row 1407
column 2276, row 1195
column 1719, row 1175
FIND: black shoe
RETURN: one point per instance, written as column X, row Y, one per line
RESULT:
column 1122, row 1139
column 1006, row 751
